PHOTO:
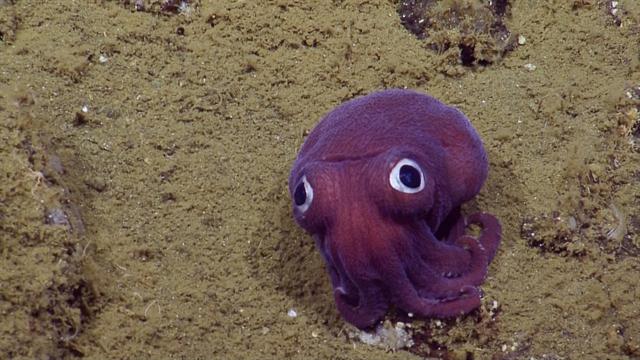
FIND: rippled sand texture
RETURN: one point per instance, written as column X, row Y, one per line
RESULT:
column 144, row 158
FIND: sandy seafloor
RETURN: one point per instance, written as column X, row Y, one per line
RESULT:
column 144, row 159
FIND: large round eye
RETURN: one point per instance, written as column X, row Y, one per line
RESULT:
column 303, row 195
column 407, row 177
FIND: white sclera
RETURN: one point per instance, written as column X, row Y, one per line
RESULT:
column 309, row 192
column 396, row 183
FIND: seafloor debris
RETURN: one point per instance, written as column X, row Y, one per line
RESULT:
column 174, row 6
column 598, row 230
column 614, row 10
column 166, row 6
column 54, row 289
column 553, row 233
column 473, row 29
column 629, row 116
column 386, row 335
column 47, row 171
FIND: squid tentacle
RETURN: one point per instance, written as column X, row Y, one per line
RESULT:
column 407, row 297
column 371, row 305
column 432, row 284
column 490, row 235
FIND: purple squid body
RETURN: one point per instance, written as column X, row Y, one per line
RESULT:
column 379, row 183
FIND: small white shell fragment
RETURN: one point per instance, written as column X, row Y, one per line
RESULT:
column 103, row 59
column 292, row 313
column 387, row 336
column 522, row 40
column 530, row 67
column 85, row 108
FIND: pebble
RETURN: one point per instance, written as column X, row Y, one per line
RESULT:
column 522, row 40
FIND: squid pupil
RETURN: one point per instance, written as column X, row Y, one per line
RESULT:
column 300, row 195
column 410, row 176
